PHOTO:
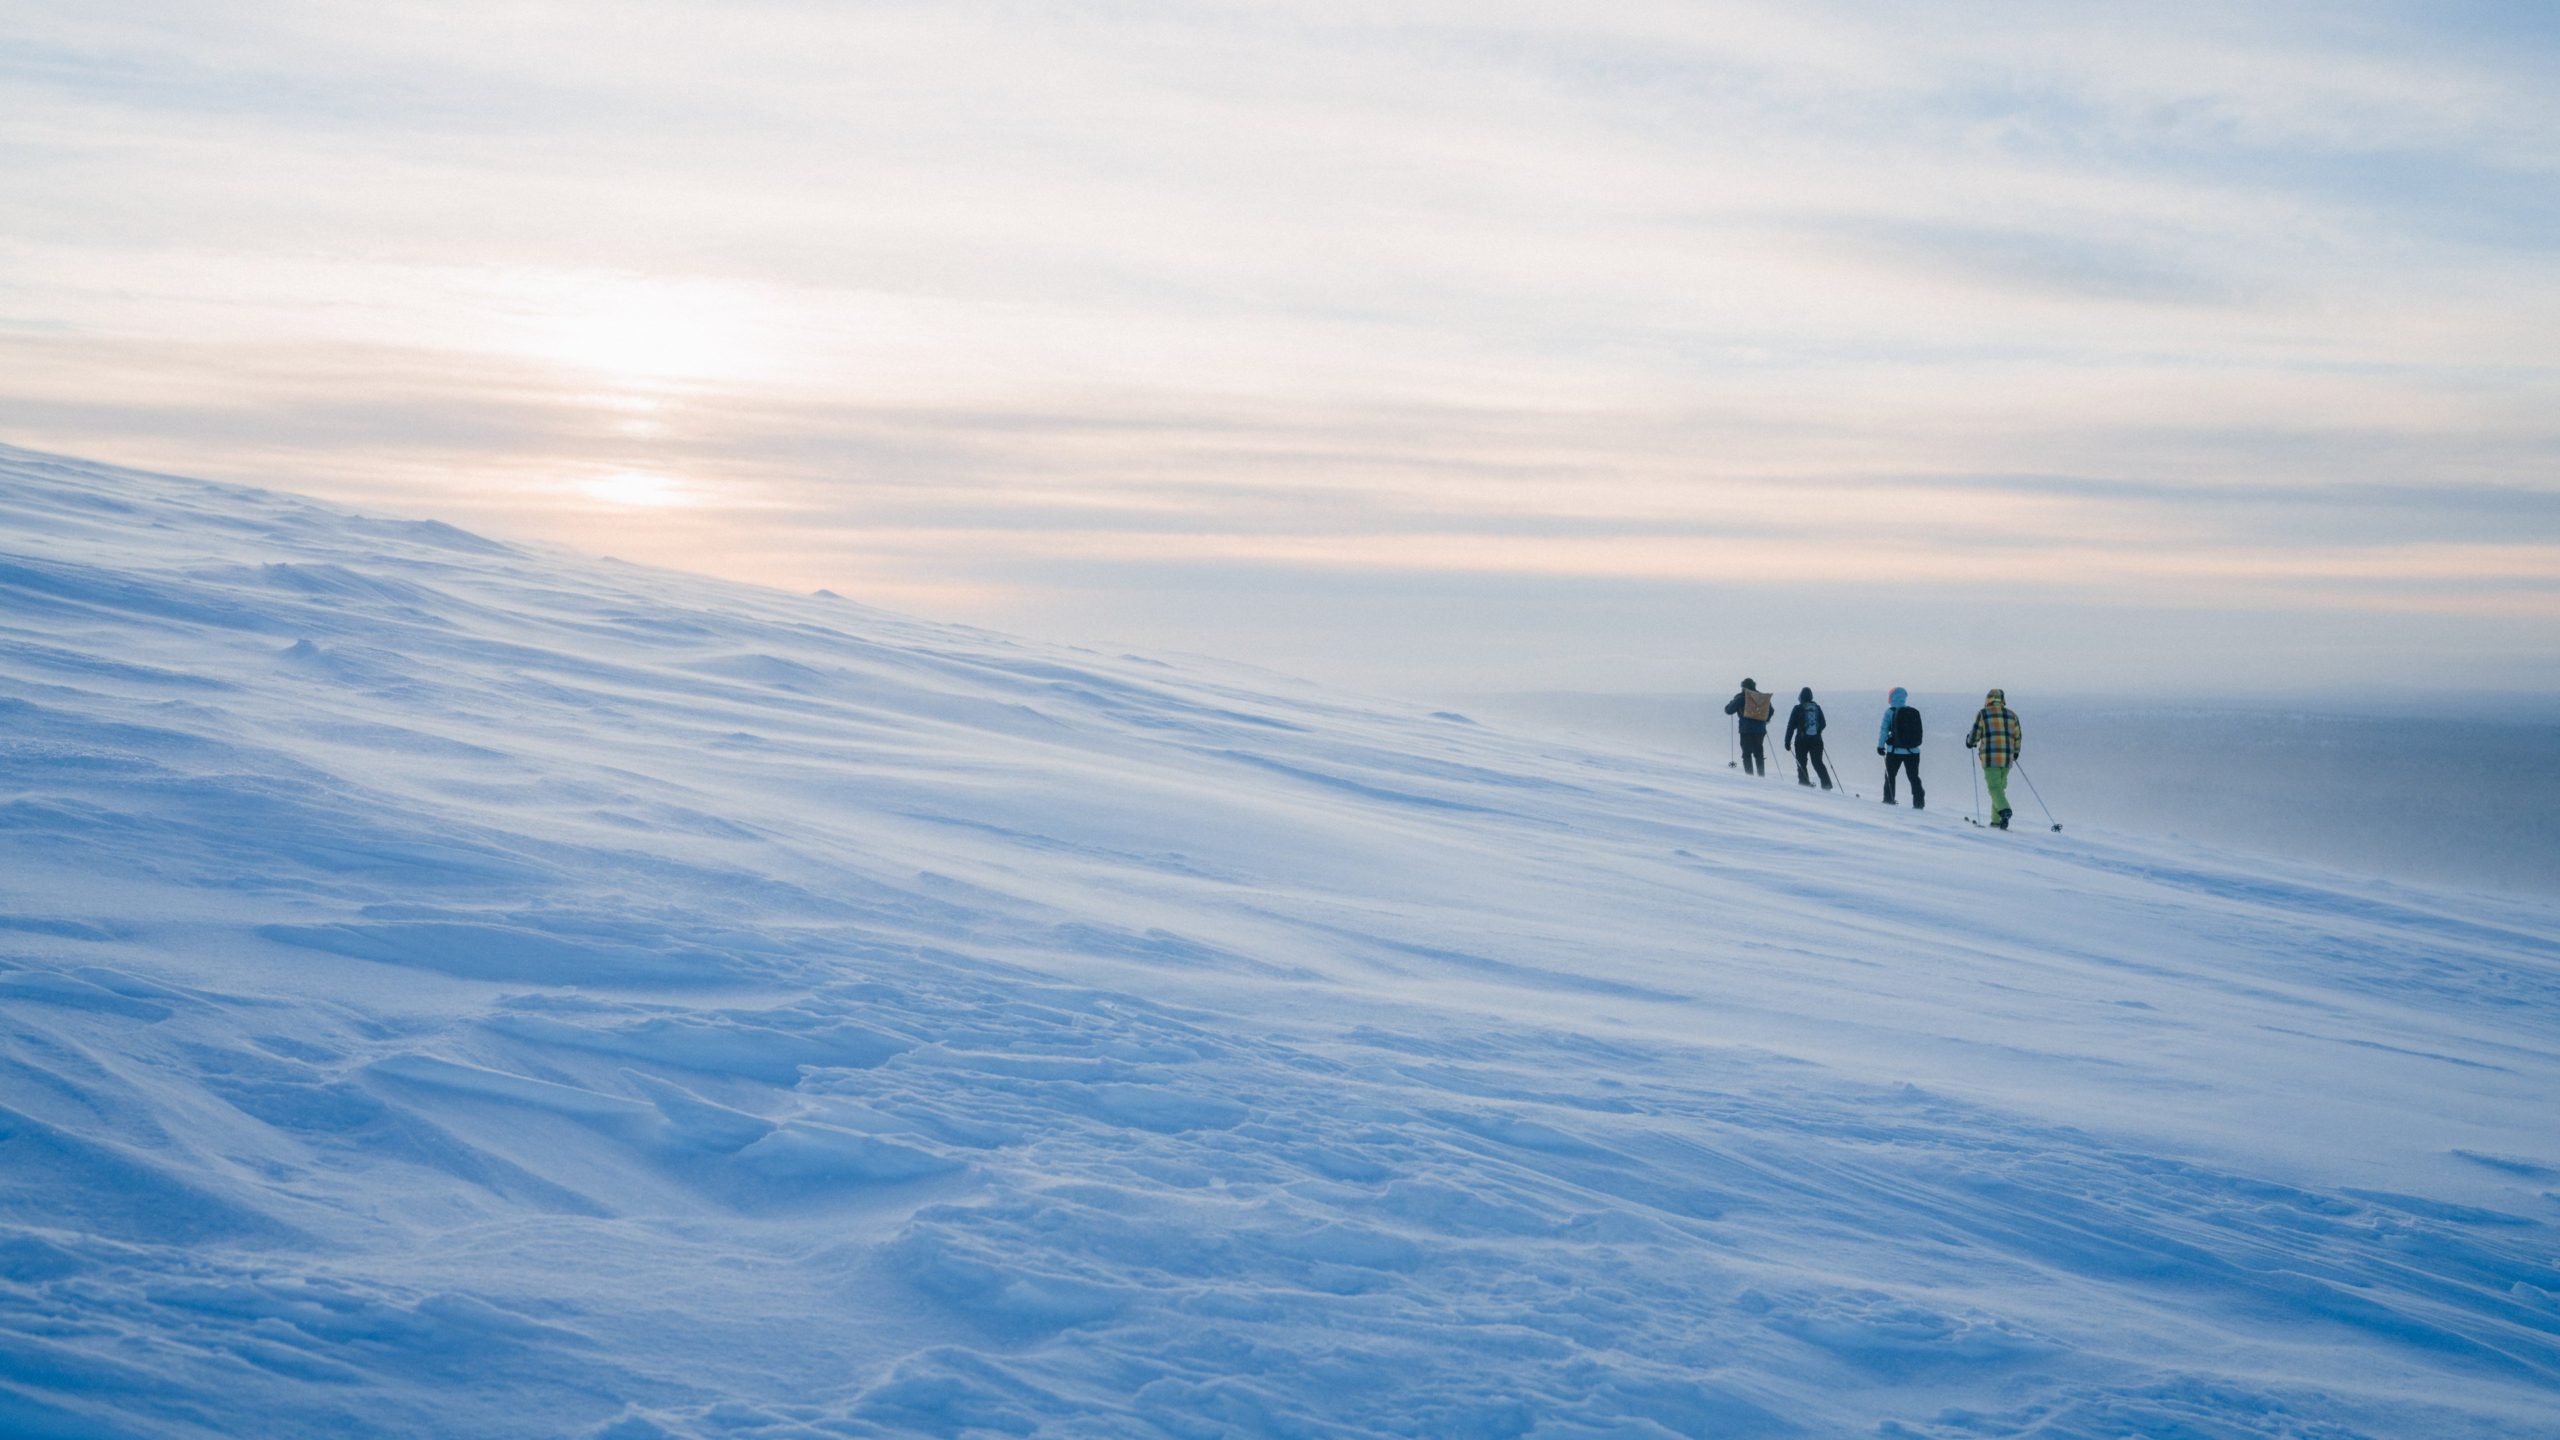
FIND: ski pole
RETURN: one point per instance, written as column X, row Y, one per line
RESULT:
column 1977, row 790
column 1732, row 745
column 2032, row 790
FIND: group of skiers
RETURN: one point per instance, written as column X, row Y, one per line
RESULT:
column 1996, row 740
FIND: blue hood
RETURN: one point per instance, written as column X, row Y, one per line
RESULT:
column 1899, row 695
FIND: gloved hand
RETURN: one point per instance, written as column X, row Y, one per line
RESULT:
column 1968, row 743
column 1879, row 749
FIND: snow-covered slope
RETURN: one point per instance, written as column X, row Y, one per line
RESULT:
column 467, row 990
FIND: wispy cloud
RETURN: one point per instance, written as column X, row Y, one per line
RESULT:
column 1100, row 315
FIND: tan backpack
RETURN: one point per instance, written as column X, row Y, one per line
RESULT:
column 1755, row 704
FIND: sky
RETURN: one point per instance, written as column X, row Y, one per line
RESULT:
column 1421, row 347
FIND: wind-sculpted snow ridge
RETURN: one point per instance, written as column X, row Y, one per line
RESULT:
column 463, row 990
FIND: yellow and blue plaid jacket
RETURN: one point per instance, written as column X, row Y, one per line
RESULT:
column 1997, row 733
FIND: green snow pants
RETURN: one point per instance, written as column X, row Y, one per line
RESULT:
column 1995, row 778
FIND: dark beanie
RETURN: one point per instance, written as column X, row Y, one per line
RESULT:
column 1746, row 682
column 1805, row 694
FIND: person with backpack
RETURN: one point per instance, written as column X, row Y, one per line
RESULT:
column 1751, row 710
column 1898, row 741
column 1804, row 737
column 1996, row 740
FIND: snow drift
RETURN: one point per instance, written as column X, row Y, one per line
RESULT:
column 462, row 989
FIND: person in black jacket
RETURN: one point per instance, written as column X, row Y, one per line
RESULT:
column 1804, row 736
column 1898, row 741
column 1750, row 709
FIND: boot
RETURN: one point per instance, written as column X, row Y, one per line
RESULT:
column 2000, row 821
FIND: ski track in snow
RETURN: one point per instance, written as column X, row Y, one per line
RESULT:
column 461, row 989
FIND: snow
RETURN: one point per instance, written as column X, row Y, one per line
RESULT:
column 464, row 989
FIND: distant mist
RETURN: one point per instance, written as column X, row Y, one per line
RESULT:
column 2459, row 790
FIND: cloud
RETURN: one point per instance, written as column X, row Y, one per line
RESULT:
column 2074, row 266
column 999, row 299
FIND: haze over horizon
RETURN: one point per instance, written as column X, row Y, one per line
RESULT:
column 1422, row 347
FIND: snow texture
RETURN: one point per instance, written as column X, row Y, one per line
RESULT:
column 459, row 989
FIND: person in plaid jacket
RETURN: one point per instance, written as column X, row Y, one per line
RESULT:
column 1996, row 740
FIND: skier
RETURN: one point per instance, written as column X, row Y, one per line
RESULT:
column 1804, row 736
column 1898, row 741
column 1751, row 709
column 1997, row 738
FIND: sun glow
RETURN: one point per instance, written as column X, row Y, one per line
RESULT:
column 638, row 490
column 650, row 331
